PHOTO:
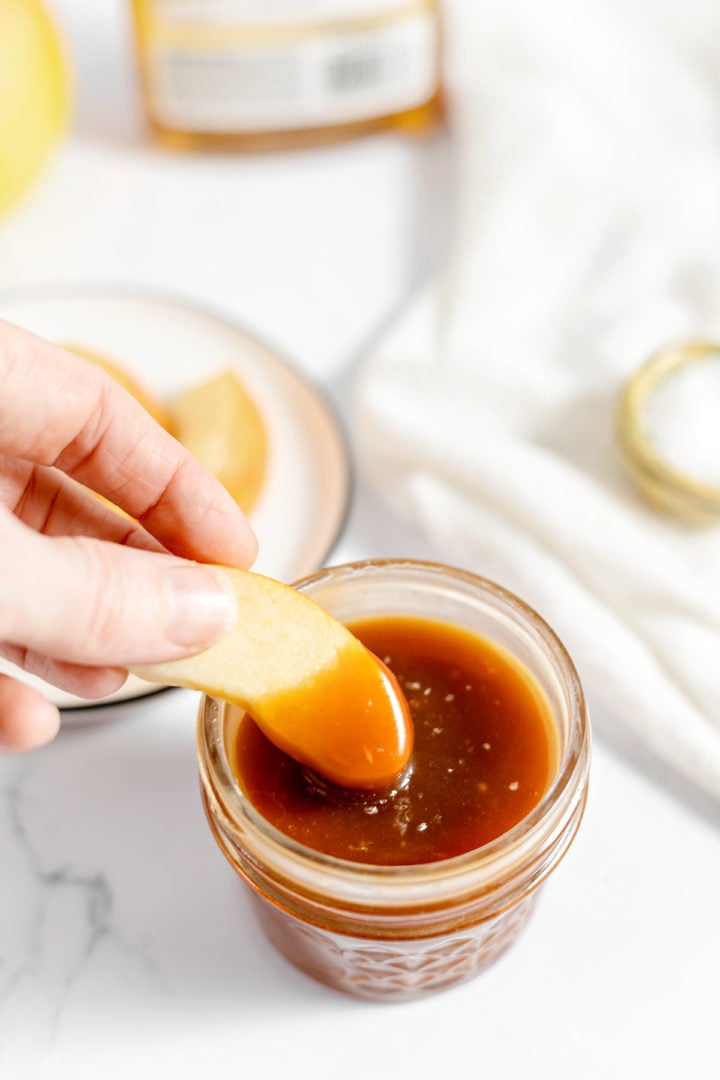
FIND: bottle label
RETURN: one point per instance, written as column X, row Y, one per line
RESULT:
column 229, row 77
column 265, row 13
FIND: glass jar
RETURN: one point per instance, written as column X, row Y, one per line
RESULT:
column 397, row 932
column 245, row 74
column 668, row 434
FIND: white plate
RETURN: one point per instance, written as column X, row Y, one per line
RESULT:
column 171, row 345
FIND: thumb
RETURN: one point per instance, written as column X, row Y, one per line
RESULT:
column 93, row 602
column 27, row 720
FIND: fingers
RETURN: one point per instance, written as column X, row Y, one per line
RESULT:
column 60, row 410
column 27, row 720
column 90, row 602
column 51, row 503
column 78, row 679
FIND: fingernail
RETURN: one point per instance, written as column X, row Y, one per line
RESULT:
column 202, row 606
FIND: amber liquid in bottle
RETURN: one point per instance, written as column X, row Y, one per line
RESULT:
column 229, row 74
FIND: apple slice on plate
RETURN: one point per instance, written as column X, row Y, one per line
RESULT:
column 219, row 423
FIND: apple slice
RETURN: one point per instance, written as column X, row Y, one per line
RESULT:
column 309, row 684
column 221, row 426
column 128, row 382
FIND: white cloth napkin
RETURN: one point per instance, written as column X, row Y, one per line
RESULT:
column 586, row 142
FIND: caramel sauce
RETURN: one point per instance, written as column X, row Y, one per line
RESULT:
column 485, row 751
column 350, row 722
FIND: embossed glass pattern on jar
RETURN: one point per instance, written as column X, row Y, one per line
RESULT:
column 398, row 932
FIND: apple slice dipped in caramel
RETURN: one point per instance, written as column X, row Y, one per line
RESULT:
column 308, row 683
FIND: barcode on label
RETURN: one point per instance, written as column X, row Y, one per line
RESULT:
column 356, row 70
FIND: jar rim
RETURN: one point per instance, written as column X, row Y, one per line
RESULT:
column 667, row 486
column 571, row 771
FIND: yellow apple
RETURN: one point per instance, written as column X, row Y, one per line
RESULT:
column 34, row 94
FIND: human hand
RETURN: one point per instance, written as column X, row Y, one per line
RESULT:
column 85, row 591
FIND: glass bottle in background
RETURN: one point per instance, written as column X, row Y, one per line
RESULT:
column 256, row 74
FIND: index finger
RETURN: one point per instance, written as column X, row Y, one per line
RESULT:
column 61, row 410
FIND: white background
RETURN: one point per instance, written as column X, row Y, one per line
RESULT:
column 126, row 945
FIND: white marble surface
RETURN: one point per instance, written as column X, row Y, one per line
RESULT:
column 127, row 947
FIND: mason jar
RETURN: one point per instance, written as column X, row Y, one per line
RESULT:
column 394, row 932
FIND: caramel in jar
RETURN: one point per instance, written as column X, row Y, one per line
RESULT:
column 484, row 754
column 395, row 899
